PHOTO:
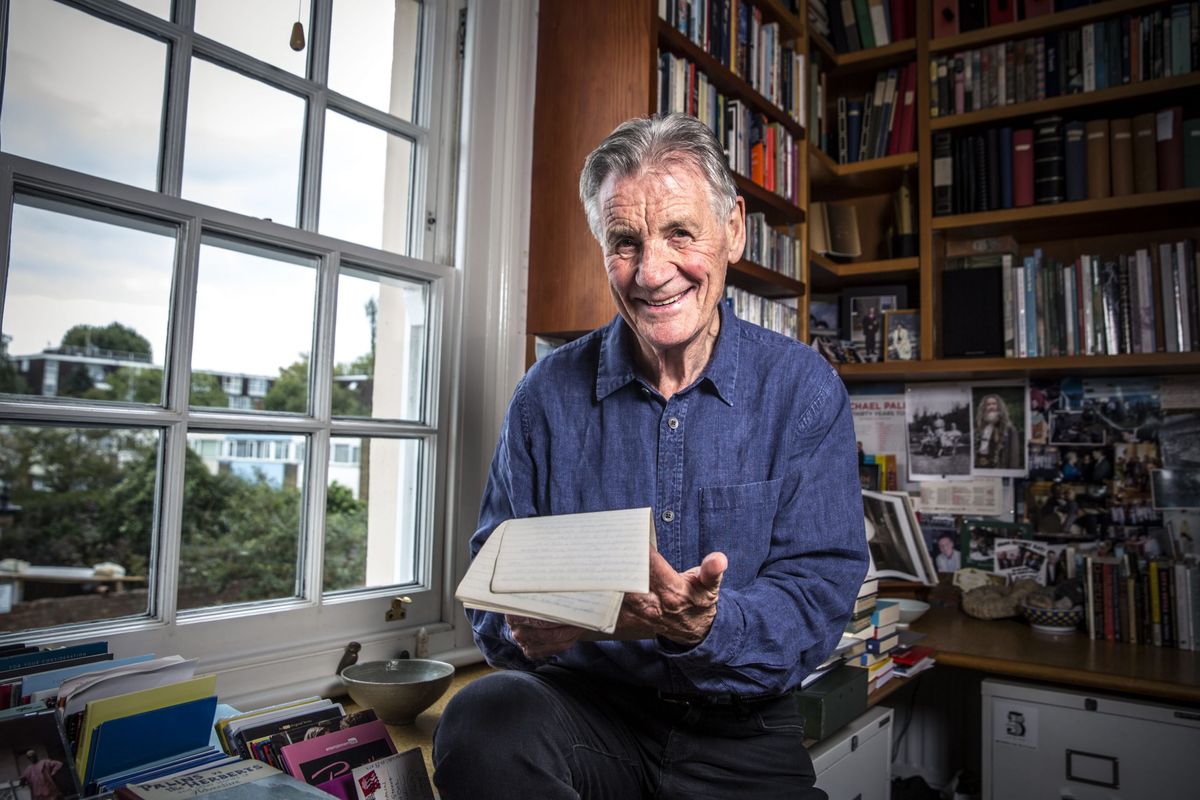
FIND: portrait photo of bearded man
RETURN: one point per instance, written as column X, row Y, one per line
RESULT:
column 998, row 440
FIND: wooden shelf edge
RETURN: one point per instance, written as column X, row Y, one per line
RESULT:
column 1065, row 101
column 784, row 210
column 825, row 46
column 960, row 368
column 889, row 266
column 790, row 25
column 898, row 161
column 763, row 281
column 1042, row 24
column 724, row 79
column 1051, row 211
column 862, row 59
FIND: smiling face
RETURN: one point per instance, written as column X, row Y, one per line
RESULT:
column 666, row 254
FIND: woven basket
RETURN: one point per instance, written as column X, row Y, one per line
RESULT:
column 996, row 602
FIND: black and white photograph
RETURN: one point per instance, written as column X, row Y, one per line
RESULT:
column 1043, row 462
column 862, row 311
column 1077, row 427
column 1179, row 441
column 939, row 431
column 902, row 335
column 890, row 537
column 1131, row 408
column 33, row 759
column 978, row 537
column 998, row 430
column 1175, row 488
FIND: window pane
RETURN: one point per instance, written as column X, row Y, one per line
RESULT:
column 243, row 144
column 86, row 305
column 248, row 294
column 371, row 513
column 159, row 8
column 241, row 518
column 384, row 319
column 366, row 182
column 85, row 527
column 262, row 29
column 83, row 93
column 373, row 53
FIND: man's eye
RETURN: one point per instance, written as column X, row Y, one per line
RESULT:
column 680, row 233
column 624, row 245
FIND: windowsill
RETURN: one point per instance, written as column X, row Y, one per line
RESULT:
column 420, row 733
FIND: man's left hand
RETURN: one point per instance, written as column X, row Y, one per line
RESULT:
column 680, row 606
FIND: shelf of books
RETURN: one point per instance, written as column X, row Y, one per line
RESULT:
column 1041, row 367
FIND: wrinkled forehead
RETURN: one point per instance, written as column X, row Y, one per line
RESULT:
column 661, row 186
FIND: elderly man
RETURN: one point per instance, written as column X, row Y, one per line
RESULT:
column 741, row 441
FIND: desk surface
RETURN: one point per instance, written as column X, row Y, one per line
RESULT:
column 1011, row 647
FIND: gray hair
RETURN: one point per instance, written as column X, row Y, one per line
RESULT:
column 657, row 140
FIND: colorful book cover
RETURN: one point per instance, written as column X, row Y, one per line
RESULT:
column 322, row 759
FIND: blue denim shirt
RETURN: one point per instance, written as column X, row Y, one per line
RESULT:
column 756, row 459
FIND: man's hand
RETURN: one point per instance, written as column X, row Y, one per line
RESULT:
column 540, row 639
column 680, row 606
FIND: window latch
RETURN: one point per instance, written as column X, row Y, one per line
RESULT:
column 398, row 610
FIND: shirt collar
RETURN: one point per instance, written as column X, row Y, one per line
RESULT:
column 616, row 367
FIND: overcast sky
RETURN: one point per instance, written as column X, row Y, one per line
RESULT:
column 87, row 95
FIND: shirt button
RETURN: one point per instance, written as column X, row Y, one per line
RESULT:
column 668, row 515
column 672, row 423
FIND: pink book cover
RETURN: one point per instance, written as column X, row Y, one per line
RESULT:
column 323, row 759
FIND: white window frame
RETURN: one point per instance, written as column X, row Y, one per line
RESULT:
column 293, row 647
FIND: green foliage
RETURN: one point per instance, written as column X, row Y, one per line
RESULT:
column 113, row 336
column 10, row 379
column 207, row 391
column 345, row 539
column 131, row 385
column 289, row 392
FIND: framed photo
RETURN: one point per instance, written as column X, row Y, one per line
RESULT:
column 823, row 314
column 978, row 537
column 999, row 430
column 36, row 742
column 1175, row 488
column 902, row 335
column 862, row 316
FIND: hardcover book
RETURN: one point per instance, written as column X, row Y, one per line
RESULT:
column 1098, row 159
column 242, row 780
column 1120, row 145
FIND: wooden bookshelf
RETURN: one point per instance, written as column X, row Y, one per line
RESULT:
column 884, row 269
column 860, row 60
column 763, row 281
column 779, row 210
column 1148, row 211
column 791, row 26
column 828, row 179
column 1129, row 91
column 1039, row 25
column 998, row 368
column 725, row 81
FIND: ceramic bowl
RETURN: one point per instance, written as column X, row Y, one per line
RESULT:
column 400, row 689
column 910, row 610
column 1053, row 620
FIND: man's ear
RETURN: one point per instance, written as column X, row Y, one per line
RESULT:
column 735, row 230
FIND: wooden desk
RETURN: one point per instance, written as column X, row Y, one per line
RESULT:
column 1011, row 647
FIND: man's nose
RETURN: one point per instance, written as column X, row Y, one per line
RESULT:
column 657, row 266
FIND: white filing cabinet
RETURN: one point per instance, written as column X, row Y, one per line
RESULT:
column 1041, row 742
column 856, row 762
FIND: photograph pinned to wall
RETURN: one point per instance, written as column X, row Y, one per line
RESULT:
column 978, row 537
column 939, row 439
column 1132, row 464
column 902, row 335
column 1047, row 397
column 891, row 540
column 868, row 476
column 1175, row 488
column 1077, row 427
column 862, row 310
column 1066, row 510
column 878, row 411
column 934, row 528
column 823, row 314
column 1019, row 558
column 999, row 430
column 1183, row 527
column 1179, row 441
column 1043, row 462
column 1131, row 408
column 1054, row 570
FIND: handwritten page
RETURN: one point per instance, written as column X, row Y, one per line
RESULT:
column 592, row 610
column 599, row 551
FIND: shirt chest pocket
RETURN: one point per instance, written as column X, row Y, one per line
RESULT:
column 739, row 521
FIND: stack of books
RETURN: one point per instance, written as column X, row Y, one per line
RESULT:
column 911, row 659
column 770, row 314
column 1152, row 601
column 881, row 123
column 880, row 637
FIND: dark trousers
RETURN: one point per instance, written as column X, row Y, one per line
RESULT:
column 552, row 734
